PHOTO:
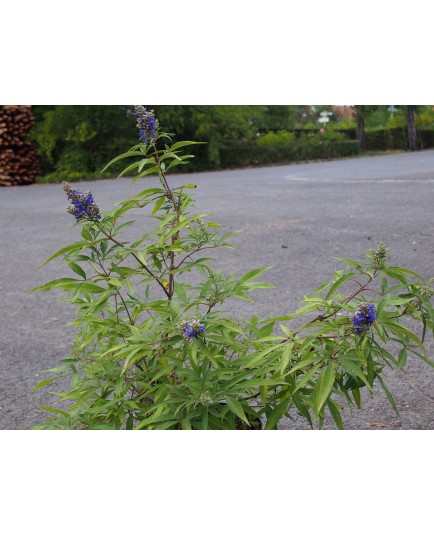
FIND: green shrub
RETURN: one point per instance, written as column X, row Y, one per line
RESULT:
column 281, row 138
column 247, row 154
column 386, row 139
column 426, row 139
column 323, row 150
column 155, row 349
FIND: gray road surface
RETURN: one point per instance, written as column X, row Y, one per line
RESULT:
column 295, row 217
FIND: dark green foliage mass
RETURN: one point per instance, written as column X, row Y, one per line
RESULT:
column 74, row 141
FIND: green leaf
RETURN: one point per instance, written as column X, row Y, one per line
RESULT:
column 353, row 369
column 286, row 357
column 356, row 396
column 178, row 227
column 253, row 274
column 302, row 408
column 90, row 287
column 63, row 282
column 388, row 394
column 254, row 359
column 350, row 262
column 193, row 354
column 307, row 377
column 263, row 391
column 304, row 363
column 159, row 203
column 340, row 281
column 276, row 414
column 161, row 420
column 402, row 358
column 335, row 413
column 54, row 410
column 120, row 157
column 401, row 331
column 132, row 358
column 73, row 247
column 45, row 382
column 77, row 269
column 236, row 408
column 180, row 144
column 149, row 171
column 128, row 169
column 180, row 291
column 186, row 424
column 190, row 186
column 323, row 387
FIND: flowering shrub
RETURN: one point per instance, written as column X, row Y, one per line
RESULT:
column 154, row 350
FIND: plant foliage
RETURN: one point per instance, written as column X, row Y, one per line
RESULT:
column 155, row 349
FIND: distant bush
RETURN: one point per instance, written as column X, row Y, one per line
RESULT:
column 327, row 149
column 426, row 139
column 74, row 142
column 386, row 139
column 425, row 120
column 79, row 139
column 248, row 154
column 281, row 138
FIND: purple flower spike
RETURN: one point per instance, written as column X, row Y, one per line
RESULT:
column 83, row 204
column 146, row 123
column 191, row 329
column 363, row 318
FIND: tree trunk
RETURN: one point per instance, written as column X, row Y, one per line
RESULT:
column 361, row 135
column 411, row 128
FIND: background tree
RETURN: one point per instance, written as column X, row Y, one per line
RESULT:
column 411, row 128
column 360, row 118
column 74, row 142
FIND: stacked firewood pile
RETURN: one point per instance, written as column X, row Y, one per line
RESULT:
column 18, row 160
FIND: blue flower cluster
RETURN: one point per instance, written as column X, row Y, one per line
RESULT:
column 364, row 317
column 83, row 204
column 146, row 123
column 192, row 329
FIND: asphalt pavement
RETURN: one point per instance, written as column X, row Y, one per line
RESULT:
column 296, row 218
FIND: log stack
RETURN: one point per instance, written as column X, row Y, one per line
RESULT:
column 18, row 159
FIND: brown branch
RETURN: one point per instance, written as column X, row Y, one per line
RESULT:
column 138, row 260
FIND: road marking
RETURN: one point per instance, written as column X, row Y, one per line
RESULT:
column 318, row 180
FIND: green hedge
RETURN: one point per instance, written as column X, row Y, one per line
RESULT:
column 426, row 139
column 247, row 154
column 382, row 139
